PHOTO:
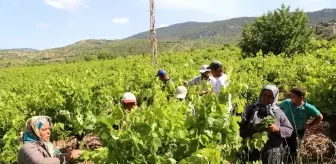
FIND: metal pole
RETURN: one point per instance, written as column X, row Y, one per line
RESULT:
column 153, row 41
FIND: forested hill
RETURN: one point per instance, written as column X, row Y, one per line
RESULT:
column 226, row 30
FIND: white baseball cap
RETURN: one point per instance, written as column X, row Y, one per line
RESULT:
column 181, row 92
column 129, row 98
column 204, row 69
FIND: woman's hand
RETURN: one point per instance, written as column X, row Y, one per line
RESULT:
column 75, row 154
column 273, row 128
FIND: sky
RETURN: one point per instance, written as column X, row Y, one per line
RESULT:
column 43, row 24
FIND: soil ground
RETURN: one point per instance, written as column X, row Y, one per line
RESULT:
column 319, row 143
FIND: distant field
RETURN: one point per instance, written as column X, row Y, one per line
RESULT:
column 96, row 49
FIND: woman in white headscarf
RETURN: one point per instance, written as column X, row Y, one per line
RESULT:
column 267, row 105
column 37, row 148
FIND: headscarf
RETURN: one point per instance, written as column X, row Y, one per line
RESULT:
column 32, row 133
column 275, row 92
column 265, row 110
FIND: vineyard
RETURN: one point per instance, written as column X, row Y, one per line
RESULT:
column 83, row 98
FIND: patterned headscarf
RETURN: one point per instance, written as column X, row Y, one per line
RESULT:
column 32, row 133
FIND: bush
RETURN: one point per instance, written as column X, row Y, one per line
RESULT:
column 90, row 57
column 279, row 31
column 105, row 55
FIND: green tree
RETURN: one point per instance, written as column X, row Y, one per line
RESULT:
column 278, row 31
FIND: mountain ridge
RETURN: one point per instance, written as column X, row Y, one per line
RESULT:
column 227, row 30
column 20, row 49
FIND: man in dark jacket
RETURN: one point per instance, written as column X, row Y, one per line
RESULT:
column 267, row 105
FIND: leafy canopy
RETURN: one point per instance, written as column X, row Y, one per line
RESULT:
column 278, row 31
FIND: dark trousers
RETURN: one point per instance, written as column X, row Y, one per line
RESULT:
column 292, row 144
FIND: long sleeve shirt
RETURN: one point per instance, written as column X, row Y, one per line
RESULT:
column 275, row 139
column 198, row 81
column 34, row 153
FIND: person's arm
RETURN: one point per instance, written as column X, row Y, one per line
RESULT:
column 285, row 130
column 194, row 81
column 31, row 155
column 190, row 82
column 226, row 81
column 212, row 80
column 318, row 117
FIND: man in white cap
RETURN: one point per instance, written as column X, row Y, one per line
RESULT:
column 181, row 94
column 129, row 101
column 204, row 79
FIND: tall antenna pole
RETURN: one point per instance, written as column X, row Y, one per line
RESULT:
column 153, row 40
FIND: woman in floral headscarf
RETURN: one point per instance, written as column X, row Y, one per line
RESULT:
column 37, row 149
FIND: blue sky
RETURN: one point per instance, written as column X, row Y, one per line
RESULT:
column 45, row 24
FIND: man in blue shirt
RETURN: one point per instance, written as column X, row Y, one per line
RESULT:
column 298, row 113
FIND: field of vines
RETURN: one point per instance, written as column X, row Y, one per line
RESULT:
column 83, row 98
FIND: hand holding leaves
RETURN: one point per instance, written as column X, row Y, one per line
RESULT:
column 273, row 128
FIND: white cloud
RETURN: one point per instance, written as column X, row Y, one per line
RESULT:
column 66, row 4
column 120, row 20
column 43, row 25
column 163, row 25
